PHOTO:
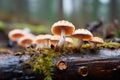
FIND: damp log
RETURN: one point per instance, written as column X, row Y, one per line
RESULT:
column 88, row 65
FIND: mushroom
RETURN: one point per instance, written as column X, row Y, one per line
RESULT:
column 68, row 41
column 62, row 28
column 15, row 34
column 26, row 41
column 47, row 38
column 54, row 40
column 39, row 40
column 96, row 40
column 82, row 34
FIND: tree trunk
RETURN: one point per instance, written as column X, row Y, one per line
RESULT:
column 60, row 10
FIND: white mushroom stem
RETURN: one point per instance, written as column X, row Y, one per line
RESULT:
column 80, row 42
column 47, row 42
column 42, row 44
column 62, row 38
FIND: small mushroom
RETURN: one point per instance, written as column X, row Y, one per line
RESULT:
column 96, row 40
column 39, row 40
column 54, row 40
column 62, row 28
column 82, row 34
column 68, row 41
column 16, row 34
column 47, row 38
column 26, row 41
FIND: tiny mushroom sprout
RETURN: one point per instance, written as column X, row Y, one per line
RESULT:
column 68, row 41
column 62, row 28
column 54, row 40
column 82, row 34
column 26, row 41
column 96, row 40
column 39, row 40
column 16, row 34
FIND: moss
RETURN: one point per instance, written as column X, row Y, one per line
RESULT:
column 41, row 60
column 110, row 45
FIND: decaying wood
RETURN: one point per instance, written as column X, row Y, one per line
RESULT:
column 89, row 65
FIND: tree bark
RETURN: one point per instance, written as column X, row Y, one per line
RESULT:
column 88, row 65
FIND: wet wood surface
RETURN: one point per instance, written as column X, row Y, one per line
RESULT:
column 88, row 65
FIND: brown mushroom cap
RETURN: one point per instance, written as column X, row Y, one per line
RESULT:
column 26, row 40
column 15, row 34
column 54, row 39
column 84, row 33
column 97, row 40
column 40, row 38
column 47, row 36
column 57, row 27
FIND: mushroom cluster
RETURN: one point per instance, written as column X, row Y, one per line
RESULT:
column 62, row 32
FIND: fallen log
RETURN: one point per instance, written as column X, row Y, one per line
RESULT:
column 104, row 65
column 88, row 65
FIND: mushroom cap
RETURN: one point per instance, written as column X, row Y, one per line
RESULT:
column 47, row 36
column 26, row 40
column 57, row 27
column 15, row 34
column 40, row 38
column 84, row 33
column 31, row 35
column 97, row 40
column 54, row 39
column 69, row 40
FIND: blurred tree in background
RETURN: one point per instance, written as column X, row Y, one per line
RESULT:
column 80, row 12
